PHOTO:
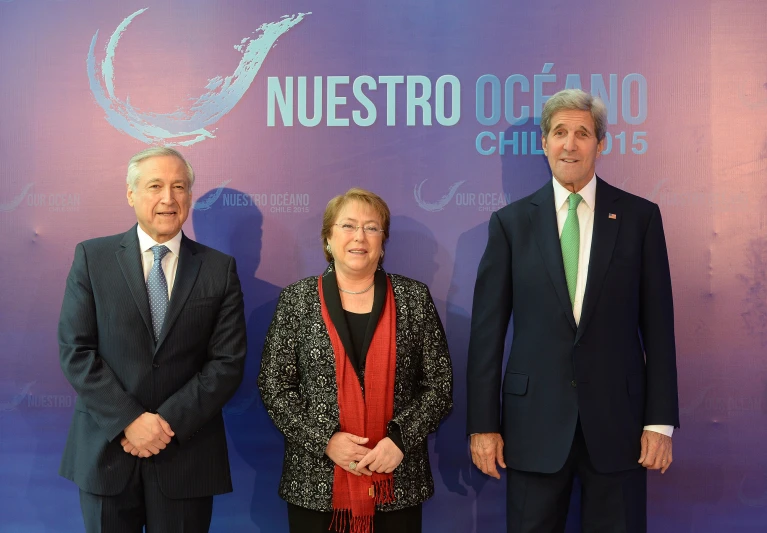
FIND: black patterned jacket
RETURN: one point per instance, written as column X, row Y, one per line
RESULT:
column 298, row 386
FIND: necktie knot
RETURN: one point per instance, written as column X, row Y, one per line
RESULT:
column 574, row 200
column 159, row 251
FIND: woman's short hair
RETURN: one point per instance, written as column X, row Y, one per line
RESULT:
column 575, row 99
column 355, row 194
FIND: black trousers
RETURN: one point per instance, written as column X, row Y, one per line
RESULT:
column 610, row 503
column 303, row 520
column 142, row 504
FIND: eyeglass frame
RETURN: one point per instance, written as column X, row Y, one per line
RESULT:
column 353, row 229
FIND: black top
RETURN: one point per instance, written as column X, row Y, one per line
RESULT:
column 358, row 324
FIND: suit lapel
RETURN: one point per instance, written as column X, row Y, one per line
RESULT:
column 543, row 219
column 129, row 259
column 189, row 262
column 602, row 245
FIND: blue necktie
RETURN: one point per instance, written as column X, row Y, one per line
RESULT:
column 157, row 289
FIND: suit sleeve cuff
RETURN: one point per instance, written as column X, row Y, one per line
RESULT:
column 663, row 430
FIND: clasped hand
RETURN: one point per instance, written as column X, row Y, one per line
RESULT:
column 344, row 448
column 147, row 435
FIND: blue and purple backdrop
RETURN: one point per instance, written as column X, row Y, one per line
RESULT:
column 281, row 105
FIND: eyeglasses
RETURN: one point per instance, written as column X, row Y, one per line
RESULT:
column 371, row 230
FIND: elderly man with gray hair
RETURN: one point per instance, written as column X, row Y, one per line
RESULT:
column 152, row 339
column 580, row 268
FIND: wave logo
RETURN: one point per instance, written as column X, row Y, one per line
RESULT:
column 16, row 200
column 185, row 126
column 16, row 399
column 440, row 204
column 209, row 198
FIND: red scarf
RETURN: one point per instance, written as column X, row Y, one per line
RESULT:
column 355, row 497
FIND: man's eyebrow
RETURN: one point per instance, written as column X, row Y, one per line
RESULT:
column 581, row 127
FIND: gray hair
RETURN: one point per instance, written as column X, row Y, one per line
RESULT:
column 155, row 151
column 575, row 99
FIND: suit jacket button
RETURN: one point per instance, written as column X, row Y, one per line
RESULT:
column 155, row 365
column 573, row 383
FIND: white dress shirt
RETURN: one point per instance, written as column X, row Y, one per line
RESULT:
column 586, row 225
column 169, row 262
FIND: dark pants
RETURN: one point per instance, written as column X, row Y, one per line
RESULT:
column 142, row 503
column 408, row 520
column 610, row 503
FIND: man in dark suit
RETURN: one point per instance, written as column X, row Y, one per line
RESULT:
column 590, row 386
column 152, row 338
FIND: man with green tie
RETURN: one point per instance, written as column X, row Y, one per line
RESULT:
column 590, row 388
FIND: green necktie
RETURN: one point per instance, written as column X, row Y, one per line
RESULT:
column 570, row 240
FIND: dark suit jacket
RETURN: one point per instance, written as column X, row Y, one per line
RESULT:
column 616, row 370
column 109, row 355
column 298, row 385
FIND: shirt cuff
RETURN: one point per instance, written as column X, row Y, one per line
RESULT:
column 663, row 430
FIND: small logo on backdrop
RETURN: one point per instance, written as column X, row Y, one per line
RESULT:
column 17, row 200
column 285, row 202
column 16, row 399
column 709, row 401
column 472, row 200
column 185, row 126
column 751, row 491
column 209, row 198
column 57, row 202
column 49, row 401
column 440, row 204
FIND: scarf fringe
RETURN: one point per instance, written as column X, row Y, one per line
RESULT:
column 357, row 524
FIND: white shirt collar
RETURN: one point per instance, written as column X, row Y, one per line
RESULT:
column 588, row 193
column 146, row 242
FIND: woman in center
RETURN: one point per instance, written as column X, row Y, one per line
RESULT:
column 356, row 373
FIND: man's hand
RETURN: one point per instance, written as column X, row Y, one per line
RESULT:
column 345, row 448
column 147, row 435
column 656, row 451
column 486, row 450
column 128, row 447
column 384, row 458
